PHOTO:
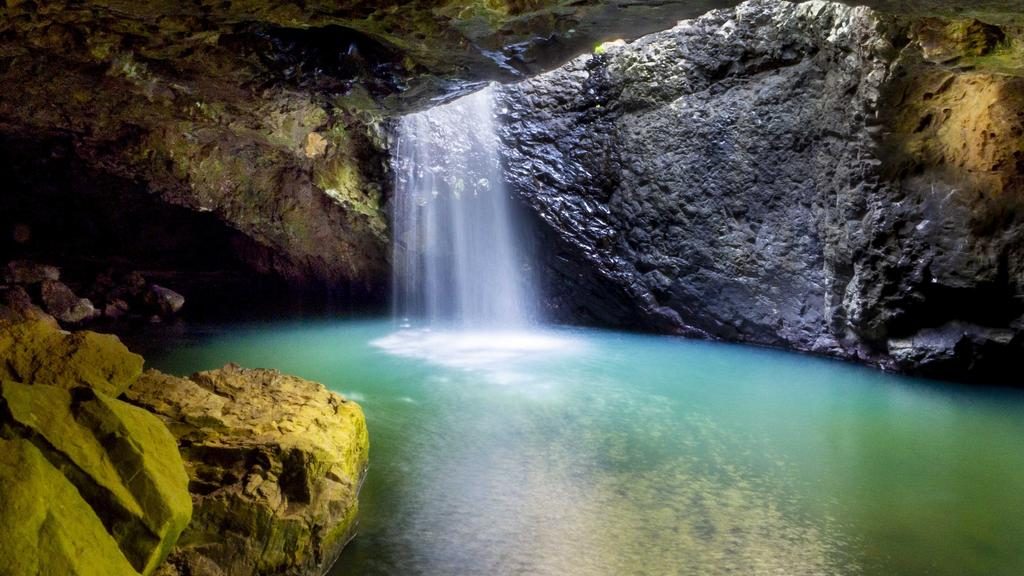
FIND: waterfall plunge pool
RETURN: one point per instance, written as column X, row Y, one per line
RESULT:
column 587, row 452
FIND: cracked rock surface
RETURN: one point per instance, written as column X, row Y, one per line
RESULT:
column 275, row 463
column 809, row 176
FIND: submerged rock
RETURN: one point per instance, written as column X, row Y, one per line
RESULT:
column 275, row 464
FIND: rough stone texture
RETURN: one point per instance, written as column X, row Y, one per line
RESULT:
column 267, row 114
column 28, row 272
column 64, row 305
column 45, row 525
column 122, row 460
column 16, row 306
column 275, row 464
column 39, row 352
column 789, row 175
column 167, row 302
column 100, row 473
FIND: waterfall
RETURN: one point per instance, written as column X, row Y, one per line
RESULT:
column 457, row 254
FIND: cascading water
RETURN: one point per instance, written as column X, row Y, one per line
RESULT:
column 457, row 256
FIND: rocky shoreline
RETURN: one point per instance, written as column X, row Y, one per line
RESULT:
column 109, row 470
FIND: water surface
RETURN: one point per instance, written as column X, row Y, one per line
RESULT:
column 583, row 452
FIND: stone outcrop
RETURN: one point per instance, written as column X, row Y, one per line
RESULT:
column 810, row 176
column 268, row 116
column 117, row 295
column 100, row 487
column 47, row 527
column 39, row 352
column 165, row 301
column 111, row 466
column 275, row 464
column 28, row 272
column 65, row 305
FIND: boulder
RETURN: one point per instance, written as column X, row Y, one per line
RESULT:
column 45, row 525
column 164, row 301
column 64, row 305
column 275, row 464
column 28, row 272
column 16, row 305
column 115, row 309
column 122, row 460
column 39, row 352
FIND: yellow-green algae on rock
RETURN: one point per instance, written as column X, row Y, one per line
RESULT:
column 120, row 464
column 275, row 463
column 38, row 352
column 47, row 528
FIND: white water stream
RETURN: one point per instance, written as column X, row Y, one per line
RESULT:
column 457, row 252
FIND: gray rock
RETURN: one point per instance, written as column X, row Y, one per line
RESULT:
column 761, row 174
column 64, row 305
column 165, row 301
column 116, row 309
column 28, row 272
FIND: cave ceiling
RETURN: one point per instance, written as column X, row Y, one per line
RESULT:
column 416, row 50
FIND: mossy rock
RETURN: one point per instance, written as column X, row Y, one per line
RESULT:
column 275, row 464
column 122, row 460
column 45, row 525
column 39, row 352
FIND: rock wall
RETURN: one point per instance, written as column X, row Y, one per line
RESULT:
column 809, row 176
column 263, row 115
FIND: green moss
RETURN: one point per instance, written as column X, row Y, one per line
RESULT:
column 1007, row 58
column 339, row 177
column 45, row 525
column 39, row 352
column 122, row 459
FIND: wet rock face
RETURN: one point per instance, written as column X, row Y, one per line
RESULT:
column 267, row 116
column 275, row 464
column 789, row 175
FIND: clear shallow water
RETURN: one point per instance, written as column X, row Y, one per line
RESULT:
column 579, row 452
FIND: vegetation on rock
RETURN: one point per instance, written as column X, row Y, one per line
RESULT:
column 38, row 352
column 275, row 463
column 127, row 475
column 811, row 176
column 45, row 525
column 264, row 469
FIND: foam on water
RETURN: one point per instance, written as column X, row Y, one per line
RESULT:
column 499, row 354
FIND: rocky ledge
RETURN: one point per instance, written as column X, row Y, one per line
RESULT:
column 109, row 471
column 810, row 176
column 275, row 464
